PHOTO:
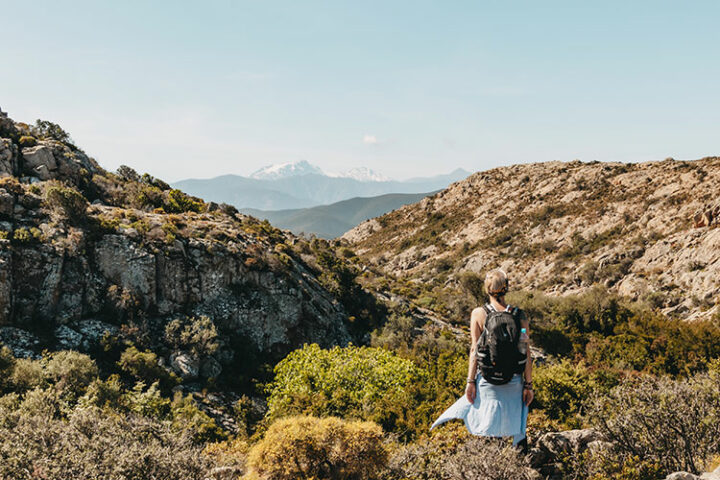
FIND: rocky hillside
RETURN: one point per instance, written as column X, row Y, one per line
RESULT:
column 647, row 231
column 88, row 257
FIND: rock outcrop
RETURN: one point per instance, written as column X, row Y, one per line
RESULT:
column 71, row 275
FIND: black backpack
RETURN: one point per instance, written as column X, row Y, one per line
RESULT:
column 497, row 348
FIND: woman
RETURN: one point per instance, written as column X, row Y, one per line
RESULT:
column 487, row 409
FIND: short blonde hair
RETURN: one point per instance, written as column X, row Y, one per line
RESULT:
column 496, row 283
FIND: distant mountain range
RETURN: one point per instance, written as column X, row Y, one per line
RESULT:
column 330, row 221
column 302, row 185
column 303, row 167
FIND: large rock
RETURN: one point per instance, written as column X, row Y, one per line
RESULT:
column 92, row 332
column 7, row 203
column 123, row 263
column 8, row 158
column 682, row 476
column 186, row 365
column 22, row 343
column 551, row 448
column 39, row 161
column 714, row 475
column 210, row 368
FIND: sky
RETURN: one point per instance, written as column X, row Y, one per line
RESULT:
column 407, row 88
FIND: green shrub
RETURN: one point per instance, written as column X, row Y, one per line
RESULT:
column 353, row 381
column 561, row 390
column 66, row 201
column 196, row 334
column 22, row 235
column 106, row 393
column 27, row 374
column 7, row 365
column 321, row 448
column 149, row 197
column 49, row 130
column 70, row 371
column 179, row 202
column 92, row 444
column 474, row 285
column 144, row 367
column 451, row 453
column 147, row 402
column 187, row 417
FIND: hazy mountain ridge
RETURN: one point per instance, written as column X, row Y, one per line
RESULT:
column 330, row 221
column 305, row 190
column 647, row 231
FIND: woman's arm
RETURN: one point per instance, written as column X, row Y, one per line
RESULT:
column 477, row 319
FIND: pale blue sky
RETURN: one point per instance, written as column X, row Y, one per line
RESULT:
column 198, row 89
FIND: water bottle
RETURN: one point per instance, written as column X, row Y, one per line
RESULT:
column 523, row 342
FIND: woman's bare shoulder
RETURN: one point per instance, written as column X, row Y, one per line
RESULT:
column 478, row 314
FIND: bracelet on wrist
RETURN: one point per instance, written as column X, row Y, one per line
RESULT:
column 471, row 381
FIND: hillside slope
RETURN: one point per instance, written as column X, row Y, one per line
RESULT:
column 648, row 231
column 85, row 253
column 330, row 221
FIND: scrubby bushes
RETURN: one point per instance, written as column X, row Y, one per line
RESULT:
column 66, row 201
column 91, row 444
column 198, row 335
column 352, row 382
column 674, row 423
column 321, row 448
column 562, row 389
column 453, row 454
column 143, row 366
column 610, row 332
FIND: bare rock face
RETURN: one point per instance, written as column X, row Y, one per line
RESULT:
column 8, row 158
column 186, row 365
column 72, row 282
column 210, row 368
column 39, row 162
column 5, row 288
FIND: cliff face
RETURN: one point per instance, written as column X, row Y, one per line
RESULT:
column 648, row 231
column 84, row 252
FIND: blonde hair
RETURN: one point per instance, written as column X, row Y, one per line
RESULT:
column 496, row 283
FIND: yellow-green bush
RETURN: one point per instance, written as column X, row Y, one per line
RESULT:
column 144, row 366
column 27, row 141
column 562, row 389
column 348, row 382
column 319, row 448
column 66, row 201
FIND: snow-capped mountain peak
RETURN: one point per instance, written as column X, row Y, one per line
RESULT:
column 284, row 170
column 362, row 174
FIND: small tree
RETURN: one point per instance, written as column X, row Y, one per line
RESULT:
column 50, row 130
